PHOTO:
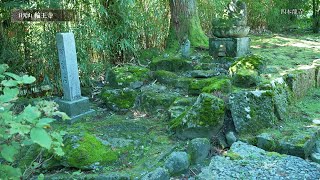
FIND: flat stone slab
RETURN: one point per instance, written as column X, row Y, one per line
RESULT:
column 244, row 161
column 295, row 139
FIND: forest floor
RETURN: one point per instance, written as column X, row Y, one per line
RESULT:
column 146, row 140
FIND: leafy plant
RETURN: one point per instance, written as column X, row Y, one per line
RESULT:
column 30, row 126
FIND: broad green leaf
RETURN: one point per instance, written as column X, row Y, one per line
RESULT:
column 14, row 76
column 41, row 137
column 44, row 122
column 9, row 83
column 8, row 152
column 9, row 172
column 7, row 116
column 9, row 94
column 18, row 128
column 30, row 114
column 3, row 68
column 28, row 79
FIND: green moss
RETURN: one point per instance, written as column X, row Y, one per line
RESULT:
column 166, row 77
column 211, row 111
column 152, row 101
column 250, row 62
column 123, row 76
column 196, row 35
column 209, row 85
column 119, row 98
column 233, row 155
column 275, row 154
column 223, row 85
column 178, row 122
column 88, row 151
column 207, row 111
column 170, row 64
column 245, row 78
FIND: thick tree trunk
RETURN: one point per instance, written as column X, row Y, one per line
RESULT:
column 185, row 24
column 316, row 16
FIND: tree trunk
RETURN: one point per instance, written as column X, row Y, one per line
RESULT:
column 316, row 16
column 185, row 24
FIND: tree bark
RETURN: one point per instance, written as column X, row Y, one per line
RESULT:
column 185, row 24
column 316, row 16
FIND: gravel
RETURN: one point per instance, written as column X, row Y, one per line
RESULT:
column 256, row 163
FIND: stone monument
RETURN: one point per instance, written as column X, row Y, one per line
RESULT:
column 230, row 32
column 72, row 103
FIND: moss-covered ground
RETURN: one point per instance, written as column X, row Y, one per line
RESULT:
column 143, row 142
column 286, row 51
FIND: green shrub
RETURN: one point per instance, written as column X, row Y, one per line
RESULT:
column 30, row 126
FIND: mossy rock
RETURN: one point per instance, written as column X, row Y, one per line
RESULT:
column 180, row 105
column 119, row 99
column 124, row 76
column 250, row 62
column 152, row 101
column 301, row 80
column 208, row 112
column 252, row 111
column 246, row 78
column 171, row 64
column 209, row 85
column 221, row 85
column 165, row 77
column 295, row 138
column 87, row 152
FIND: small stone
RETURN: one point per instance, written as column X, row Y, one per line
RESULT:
column 316, row 121
column 199, row 149
column 157, row 174
column 177, row 162
column 231, row 138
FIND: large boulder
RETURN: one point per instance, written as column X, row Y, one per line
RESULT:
column 202, row 119
column 119, row 99
column 126, row 76
column 252, row 110
column 171, row 64
column 171, row 79
column 155, row 98
column 87, row 152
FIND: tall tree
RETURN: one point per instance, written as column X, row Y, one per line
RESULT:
column 316, row 15
column 185, row 24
